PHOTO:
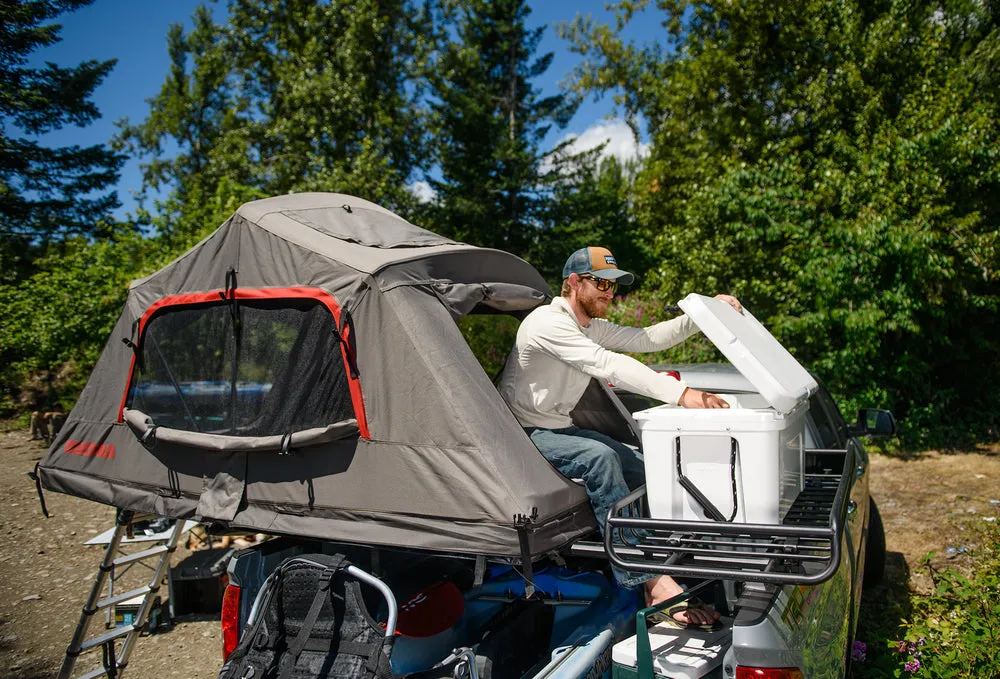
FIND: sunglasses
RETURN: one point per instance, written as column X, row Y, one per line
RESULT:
column 602, row 284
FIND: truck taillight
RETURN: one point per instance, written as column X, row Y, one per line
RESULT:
column 768, row 673
column 230, row 620
column 670, row 373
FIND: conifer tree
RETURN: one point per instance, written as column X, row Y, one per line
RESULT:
column 47, row 194
column 489, row 123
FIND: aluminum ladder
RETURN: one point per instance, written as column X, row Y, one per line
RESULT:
column 114, row 663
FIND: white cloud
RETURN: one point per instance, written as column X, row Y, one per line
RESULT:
column 621, row 143
column 422, row 191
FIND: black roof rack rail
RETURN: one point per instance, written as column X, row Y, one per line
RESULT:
column 803, row 550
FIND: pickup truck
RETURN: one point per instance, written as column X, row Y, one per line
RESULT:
column 789, row 593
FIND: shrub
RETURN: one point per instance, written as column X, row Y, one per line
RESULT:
column 954, row 632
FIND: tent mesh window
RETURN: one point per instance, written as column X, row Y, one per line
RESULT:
column 256, row 368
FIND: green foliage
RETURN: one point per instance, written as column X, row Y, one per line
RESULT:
column 57, row 321
column 47, row 194
column 833, row 164
column 954, row 631
column 490, row 336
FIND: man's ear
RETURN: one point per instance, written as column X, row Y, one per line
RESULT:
column 573, row 281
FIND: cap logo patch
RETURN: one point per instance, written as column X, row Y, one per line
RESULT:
column 610, row 260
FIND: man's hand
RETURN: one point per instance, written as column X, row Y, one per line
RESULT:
column 731, row 301
column 692, row 398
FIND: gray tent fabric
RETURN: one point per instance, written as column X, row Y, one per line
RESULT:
column 429, row 456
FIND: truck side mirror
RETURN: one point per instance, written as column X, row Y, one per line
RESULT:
column 874, row 422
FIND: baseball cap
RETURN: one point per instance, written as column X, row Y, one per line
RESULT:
column 598, row 262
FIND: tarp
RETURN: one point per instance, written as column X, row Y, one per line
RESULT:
column 300, row 371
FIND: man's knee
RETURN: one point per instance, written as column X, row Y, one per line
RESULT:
column 603, row 458
column 602, row 464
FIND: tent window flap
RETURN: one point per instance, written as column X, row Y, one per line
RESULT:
column 241, row 367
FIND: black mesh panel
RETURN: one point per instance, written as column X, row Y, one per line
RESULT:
column 278, row 369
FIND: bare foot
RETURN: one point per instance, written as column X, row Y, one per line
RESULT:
column 663, row 587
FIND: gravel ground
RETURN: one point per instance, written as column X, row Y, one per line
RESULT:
column 46, row 571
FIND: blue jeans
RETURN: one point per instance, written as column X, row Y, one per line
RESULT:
column 610, row 470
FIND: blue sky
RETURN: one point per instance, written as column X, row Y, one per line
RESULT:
column 134, row 32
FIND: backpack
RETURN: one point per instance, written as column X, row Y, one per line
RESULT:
column 310, row 622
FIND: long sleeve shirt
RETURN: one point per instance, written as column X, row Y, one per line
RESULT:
column 554, row 358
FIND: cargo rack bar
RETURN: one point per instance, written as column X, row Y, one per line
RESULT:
column 803, row 550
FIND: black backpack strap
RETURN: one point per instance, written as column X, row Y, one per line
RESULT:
column 332, row 565
column 378, row 666
column 377, row 651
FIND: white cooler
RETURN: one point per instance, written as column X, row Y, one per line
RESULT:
column 688, row 654
column 764, row 430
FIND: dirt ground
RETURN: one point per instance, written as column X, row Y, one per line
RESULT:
column 929, row 501
column 46, row 572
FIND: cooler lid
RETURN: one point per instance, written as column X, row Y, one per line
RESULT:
column 741, row 338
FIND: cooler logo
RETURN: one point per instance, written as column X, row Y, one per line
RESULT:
column 610, row 260
column 103, row 450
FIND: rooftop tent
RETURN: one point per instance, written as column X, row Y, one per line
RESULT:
column 300, row 372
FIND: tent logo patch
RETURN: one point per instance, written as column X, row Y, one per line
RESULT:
column 102, row 450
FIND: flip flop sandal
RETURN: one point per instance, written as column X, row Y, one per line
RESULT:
column 668, row 618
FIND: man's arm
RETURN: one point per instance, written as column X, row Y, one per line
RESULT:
column 656, row 337
column 564, row 341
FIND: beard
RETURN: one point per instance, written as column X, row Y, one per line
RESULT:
column 595, row 307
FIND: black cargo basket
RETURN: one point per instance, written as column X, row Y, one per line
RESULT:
column 803, row 550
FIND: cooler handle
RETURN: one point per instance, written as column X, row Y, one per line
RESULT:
column 711, row 511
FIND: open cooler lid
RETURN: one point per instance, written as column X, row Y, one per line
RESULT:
column 741, row 338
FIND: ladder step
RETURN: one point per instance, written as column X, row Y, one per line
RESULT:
column 124, row 596
column 139, row 556
column 116, row 633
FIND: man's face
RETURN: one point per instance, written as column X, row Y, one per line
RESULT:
column 593, row 302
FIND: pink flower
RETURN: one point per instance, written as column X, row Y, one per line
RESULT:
column 912, row 665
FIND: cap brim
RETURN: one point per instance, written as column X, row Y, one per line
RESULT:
column 617, row 275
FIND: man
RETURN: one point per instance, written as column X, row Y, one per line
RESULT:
column 559, row 348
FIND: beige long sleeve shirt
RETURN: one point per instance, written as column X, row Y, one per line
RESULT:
column 554, row 358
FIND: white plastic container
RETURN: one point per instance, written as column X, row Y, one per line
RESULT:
column 768, row 461
column 765, row 430
column 687, row 654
